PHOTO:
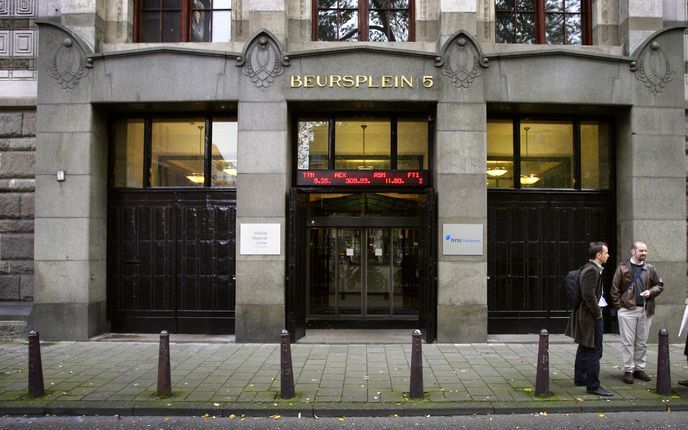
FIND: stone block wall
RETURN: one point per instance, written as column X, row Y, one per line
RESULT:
column 17, row 149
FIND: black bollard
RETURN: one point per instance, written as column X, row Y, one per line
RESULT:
column 286, row 369
column 542, row 375
column 164, row 370
column 663, row 370
column 416, row 388
column 36, row 387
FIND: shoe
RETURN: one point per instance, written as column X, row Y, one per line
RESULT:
column 684, row 383
column 640, row 374
column 600, row 392
column 628, row 377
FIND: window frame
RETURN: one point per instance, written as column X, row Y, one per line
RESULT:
column 331, row 118
column 575, row 121
column 541, row 16
column 363, row 19
column 148, row 120
column 185, row 14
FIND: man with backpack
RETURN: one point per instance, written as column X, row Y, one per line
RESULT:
column 634, row 288
column 585, row 325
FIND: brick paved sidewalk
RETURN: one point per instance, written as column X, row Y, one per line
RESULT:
column 218, row 379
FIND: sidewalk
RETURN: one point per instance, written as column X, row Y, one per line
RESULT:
column 219, row 379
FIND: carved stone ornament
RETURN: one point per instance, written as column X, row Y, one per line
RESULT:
column 69, row 64
column 461, row 61
column 654, row 69
column 262, row 60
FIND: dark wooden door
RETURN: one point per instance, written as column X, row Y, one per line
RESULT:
column 534, row 239
column 171, row 261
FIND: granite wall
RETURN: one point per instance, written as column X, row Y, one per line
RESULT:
column 17, row 147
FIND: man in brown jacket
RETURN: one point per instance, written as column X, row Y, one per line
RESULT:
column 634, row 288
column 585, row 325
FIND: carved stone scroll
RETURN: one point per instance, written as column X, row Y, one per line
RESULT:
column 461, row 60
column 262, row 60
column 654, row 68
column 69, row 64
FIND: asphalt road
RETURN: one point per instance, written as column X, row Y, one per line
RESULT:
column 597, row 421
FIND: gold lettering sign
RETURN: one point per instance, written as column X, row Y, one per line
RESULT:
column 360, row 81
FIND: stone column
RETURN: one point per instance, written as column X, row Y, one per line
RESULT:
column 651, row 172
column 460, row 154
column 70, row 223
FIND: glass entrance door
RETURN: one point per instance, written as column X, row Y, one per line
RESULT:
column 363, row 273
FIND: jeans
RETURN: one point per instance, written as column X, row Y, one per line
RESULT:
column 587, row 366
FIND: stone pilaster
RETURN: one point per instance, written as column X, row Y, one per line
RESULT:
column 638, row 20
column 70, row 220
column 267, row 14
column 262, row 185
column 118, row 20
column 427, row 20
column 605, row 22
column 299, row 21
column 651, row 166
column 461, row 155
column 456, row 15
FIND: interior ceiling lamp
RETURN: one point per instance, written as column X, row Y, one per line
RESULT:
column 365, row 165
column 496, row 171
column 531, row 178
column 198, row 178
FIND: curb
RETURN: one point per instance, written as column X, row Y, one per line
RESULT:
column 335, row 410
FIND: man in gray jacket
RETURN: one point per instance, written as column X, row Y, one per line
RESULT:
column 634, row 288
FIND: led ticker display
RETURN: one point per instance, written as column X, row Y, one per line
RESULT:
column 362, row 178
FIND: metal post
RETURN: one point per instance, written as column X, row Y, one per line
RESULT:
column 164, row 370
column 286, row 369
column 416, row 388
column 542, row 375
column 36, row 387
column 663, row 370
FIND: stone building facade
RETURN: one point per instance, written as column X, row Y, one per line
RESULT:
column 454, row 79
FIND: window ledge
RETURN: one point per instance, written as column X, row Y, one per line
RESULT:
column 203, row 46
column 512, row 48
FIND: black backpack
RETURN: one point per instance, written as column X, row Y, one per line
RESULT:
column 571, row 287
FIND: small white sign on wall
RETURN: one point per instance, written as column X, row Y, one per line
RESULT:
column 462, row 239
column 260, row 239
